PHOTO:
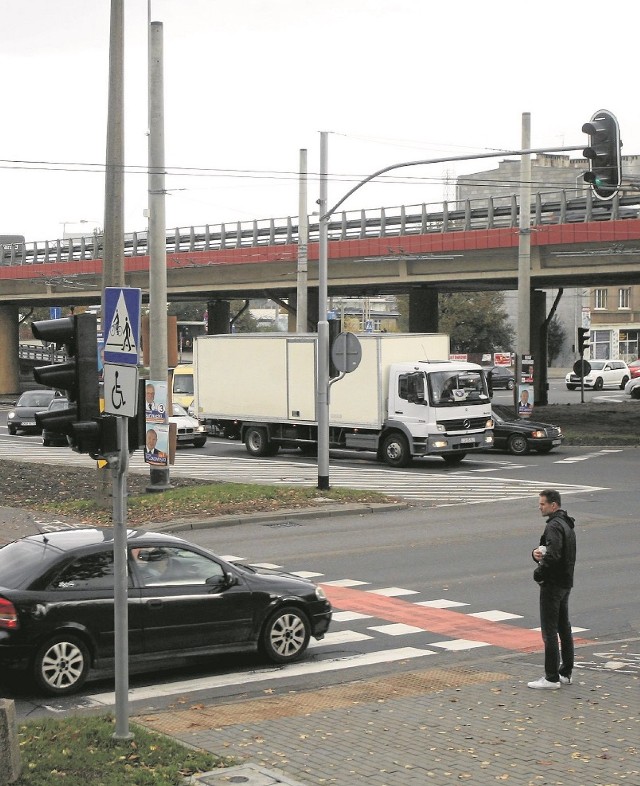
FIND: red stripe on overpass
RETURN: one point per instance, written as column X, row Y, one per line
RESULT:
column 452, row 624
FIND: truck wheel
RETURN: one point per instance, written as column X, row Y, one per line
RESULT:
column 453, row 458
column 256, row 441
column 395, row 450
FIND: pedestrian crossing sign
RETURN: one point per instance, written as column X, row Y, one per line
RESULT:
column 122, row 325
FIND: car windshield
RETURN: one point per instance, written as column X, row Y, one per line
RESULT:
column 22, row 560
column 35, row 398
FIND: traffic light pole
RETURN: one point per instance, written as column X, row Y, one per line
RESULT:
column 322, row 390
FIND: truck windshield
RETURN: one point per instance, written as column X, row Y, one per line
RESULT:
column 457, row 388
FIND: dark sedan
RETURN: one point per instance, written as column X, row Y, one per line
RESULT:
column 22, row 417
column 501, row 377
column 57, row 612
column 520, row 435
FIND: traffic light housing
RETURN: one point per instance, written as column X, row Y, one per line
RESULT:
column 77, row 377
column 584, row 336
column 604, row 154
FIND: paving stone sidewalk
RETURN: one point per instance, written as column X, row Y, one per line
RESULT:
column 481, row 726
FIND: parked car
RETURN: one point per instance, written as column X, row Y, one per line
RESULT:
column 53, row 437
column 632, row 388
column 520, row 435
column 23, row 415
column 501, row 377
column 634, row 368
column 603, row 374
column 57, row 611
column 189, row 430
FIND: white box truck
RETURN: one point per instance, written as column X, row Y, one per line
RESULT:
column 405, row 399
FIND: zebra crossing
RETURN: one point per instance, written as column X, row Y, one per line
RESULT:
column 438, row 487
column 370, row 625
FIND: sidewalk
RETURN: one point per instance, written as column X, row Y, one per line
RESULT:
column 435, row 726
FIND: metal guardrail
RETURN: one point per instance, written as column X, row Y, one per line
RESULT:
column 37, row 352
column 548, row 207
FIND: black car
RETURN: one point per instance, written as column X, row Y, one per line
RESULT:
column 53, row 437
column 501, row 377
column 57, row 611
column 520, row 435
column 22, row 417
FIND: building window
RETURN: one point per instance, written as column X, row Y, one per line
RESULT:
column 624, row 297
column 628, row 344
column 600, row 298
column 600, row 344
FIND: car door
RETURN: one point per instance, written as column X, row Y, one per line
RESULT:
column 82, row 595
column 187, row 601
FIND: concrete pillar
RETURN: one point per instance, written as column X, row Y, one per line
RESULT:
column 538, row 341
column 219, row 315
column 423, row 311
column 10, row 764
column 9, row 344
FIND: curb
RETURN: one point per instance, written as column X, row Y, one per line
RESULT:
column 236, row 519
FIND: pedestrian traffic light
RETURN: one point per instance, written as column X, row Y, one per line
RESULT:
column 77, row 377
column 603, row 152
column 584, row 334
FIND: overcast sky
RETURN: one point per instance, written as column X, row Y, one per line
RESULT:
column 250, row 82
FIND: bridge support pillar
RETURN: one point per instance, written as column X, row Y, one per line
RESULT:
column 423, row 311
column 538, row 341
column 219, row 315
column 9, row 346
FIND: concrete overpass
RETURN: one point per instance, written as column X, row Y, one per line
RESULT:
column 420, row 250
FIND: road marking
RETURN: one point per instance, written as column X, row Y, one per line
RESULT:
column 261, row 675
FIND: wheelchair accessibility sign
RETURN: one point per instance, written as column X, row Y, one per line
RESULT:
column 121, row 390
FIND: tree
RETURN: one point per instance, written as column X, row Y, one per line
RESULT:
column 556, row 336
column 475, row 321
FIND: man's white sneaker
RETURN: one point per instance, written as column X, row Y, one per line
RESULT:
column 544, row 684
column 565, row 680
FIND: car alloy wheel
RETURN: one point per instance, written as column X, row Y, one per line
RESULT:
column 61, row 665
column 285, row 635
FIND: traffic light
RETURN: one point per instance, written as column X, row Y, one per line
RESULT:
column 605, row 161
column 584, row 335
column 78, row 378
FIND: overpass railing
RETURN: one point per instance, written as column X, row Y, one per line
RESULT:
column 548, row 207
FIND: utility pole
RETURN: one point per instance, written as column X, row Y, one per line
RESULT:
column 524, row 256
column 113, row 276
column 158, row 361
column 322, row 393
column 303, row 240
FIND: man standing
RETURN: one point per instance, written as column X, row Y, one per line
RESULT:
column 556, row 558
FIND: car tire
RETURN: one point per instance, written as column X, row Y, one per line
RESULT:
column 517, row 445
column 571, row 387
column 285, row 635
column 635, row 392
column 46, row 442
column 598, row 384
column 11, row 430
column 395, row 450
column 623, row 384
column 452, row 459
column 510, row 384
column 61, row 665
column 199, row 443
